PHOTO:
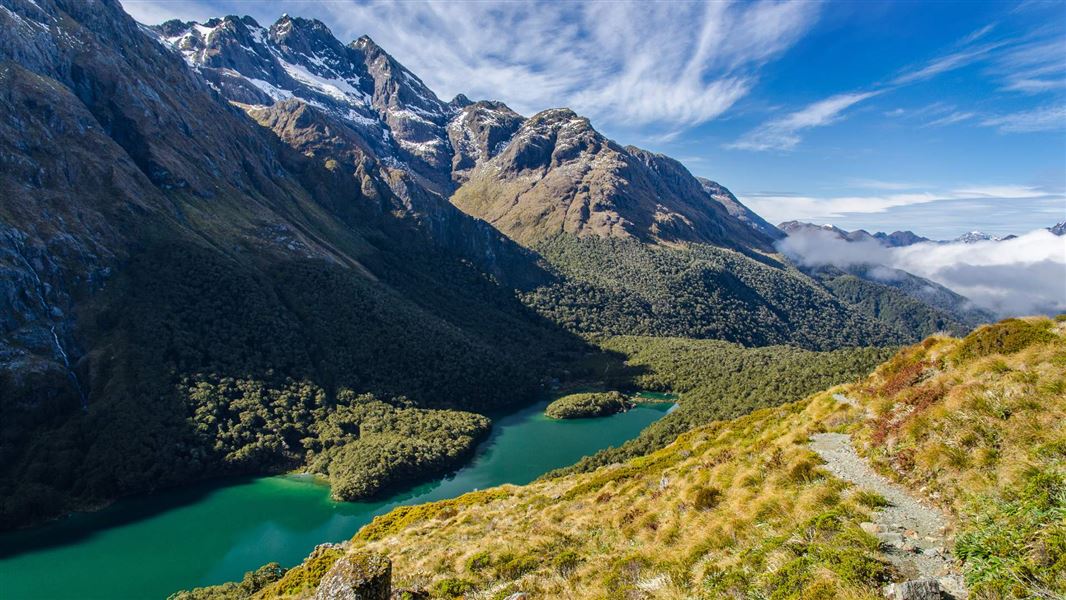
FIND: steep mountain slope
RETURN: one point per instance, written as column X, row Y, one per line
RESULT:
column 736, row 209
column 745, row 508
column 185, row 295
column 222, row 239
column 914, row 305
column 623, row 287
column 559, row 175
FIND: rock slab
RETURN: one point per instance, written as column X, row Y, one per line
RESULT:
column 359, row 576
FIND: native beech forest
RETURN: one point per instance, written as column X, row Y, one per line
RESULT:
column 587, row 404
column 624, row 287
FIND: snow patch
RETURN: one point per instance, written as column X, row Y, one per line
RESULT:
column 335, row 88
column 276, row 94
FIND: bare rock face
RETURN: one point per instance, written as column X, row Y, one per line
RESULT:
column 478, row 133
column 359, row 576
column 737, row 209
column 557, row 174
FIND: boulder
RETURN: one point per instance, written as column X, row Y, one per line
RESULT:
column 358, row 576
column 919, row 589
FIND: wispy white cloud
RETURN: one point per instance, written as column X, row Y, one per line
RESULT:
column 1000, row 191
column 777, row 207
column 673, row 64
column 783, row 133
column 1046, row 118
column 943, row 64
column 1033, row 66
column 952, row 118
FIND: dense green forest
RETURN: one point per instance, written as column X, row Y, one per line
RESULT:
column 623, row 287
column 587, row 404
column 215, row 366
column 892, row 306
column 720, row 380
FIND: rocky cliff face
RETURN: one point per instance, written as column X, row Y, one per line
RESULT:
column 737, row 210
column 529, row 178
column 559, row 175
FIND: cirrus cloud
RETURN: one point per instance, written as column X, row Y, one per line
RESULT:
column 672, row 64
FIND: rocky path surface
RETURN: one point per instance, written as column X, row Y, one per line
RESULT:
column 912, row 534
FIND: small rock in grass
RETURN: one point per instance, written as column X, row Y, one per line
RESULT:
column 919, row 589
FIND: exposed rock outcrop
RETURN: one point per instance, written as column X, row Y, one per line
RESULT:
column 357, row 576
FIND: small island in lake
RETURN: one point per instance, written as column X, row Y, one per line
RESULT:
column 589, row 404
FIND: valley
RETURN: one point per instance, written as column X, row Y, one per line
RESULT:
column 277, row 321
column 243, row 524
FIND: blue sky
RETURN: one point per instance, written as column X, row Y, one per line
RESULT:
column 939, row 117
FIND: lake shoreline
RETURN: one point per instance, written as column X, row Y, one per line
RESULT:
column 216, row 530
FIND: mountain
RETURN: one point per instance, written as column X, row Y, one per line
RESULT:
column 909, row 302
column 1058, row 229
column 895, row 239
column 226, row 246
column 913, row 305
column 973, row 237
column 558, row 175
column 780, row 503
column 187, row 295
column 551, row 182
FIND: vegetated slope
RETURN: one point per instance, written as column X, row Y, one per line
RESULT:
column 620, row 287
column 742, row 508
column 719, row 380
column 185, row 295
column 913, row 305
column 912, row 317
column 978, row 425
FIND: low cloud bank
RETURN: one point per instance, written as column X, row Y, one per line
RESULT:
column 1022, row 276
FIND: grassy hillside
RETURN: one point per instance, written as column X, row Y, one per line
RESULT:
column 720, row 380
column 979, row 425
column 742, row 508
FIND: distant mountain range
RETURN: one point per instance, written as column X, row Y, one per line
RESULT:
column 898, row 239
column 225, row 233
